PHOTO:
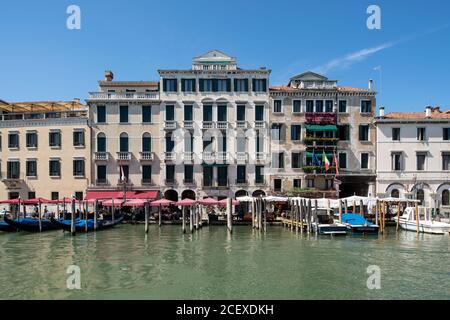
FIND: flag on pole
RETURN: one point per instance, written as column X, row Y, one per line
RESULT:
column 315, row 159
column 325, row 161
column 336, row 163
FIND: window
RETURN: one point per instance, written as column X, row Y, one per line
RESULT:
column 319, row 106
column 259, row 85
column 79, row 195
column 277, row 185
column 364, row 161
column 207, row 176
column 13, row 170
column 188, row 173
column 188, row 112
column 277, row 106
column 296, row 106
column 310, row 183
column 223, row 85
column 222, row 113
column 342, row 160
column 329, row 106
column 146, row 173
column 123, row 143
column 446, row 133
column 420, row 161
column 309, row 105
column 55, row 195
column 207, row 113
column 13, row 140
column 446, row 197
column 296, row 160
column 241, row 174
column 78, row 138
column 420, row 134
column 101, row 174
column 342, row 106
column 101, row 142
column 276, row 131
column 32, row 195
column 146, row 142
column 366, row 106
column 259, row 174
column 222, row 176
column 170, row 112
column 344, row 132
column 420, row 195
column 188, row 85
column 170, row 173
column 446, row 161
column 278, row 160
column 297, row 183
column 170, row 85
column 126, row 172
column 364, row 132
column 55, row 139
column 296, row 130
column 101, row 114
column 206, row 85
column 396, row 161
column 123, row 114
column 395, row 193
column 146, row 114
column 32, row 141
column 395, row 134
column 78, row 168
column 54, row 168
column 240, row 85
column 329, row 184
column 31, row 168
column 259, row 113
column 240, row 112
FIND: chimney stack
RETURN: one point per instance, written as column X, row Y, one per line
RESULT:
column 428, row 112
column 370, row 84
column 381, row 111
column 109, row 76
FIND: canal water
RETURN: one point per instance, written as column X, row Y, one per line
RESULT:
column 123, row 263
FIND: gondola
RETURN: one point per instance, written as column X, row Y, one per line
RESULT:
column 30, row 224
column 80, row 225
column 6, row 227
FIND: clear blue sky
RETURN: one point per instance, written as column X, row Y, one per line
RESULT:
column 40, row 59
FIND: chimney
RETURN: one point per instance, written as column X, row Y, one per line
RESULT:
column 370, row 84
column 109, row 76
column 381, row 111
column 428, row 112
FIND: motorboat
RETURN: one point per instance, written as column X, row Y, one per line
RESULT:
column 408, row 221
column 358, row 224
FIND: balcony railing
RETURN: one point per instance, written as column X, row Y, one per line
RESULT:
column 320, row 141
column 188, row 156
column 320, row 117
column 188, row 124
column 207, row 125
column 169, row 155
column 260, row 124
column 260, row 156
column 220, row 183
column 222, row 156
column 319, row 170
column 222, row 124
column 241, row 156
column 123, row 96
column 101, row 156
column 124, row 156
column 241, row 124
column 146, row 155
column 170, row 124
column 208, row 156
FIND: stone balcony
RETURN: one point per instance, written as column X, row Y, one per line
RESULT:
column 146, row 156
column 101, row 156
column 124, row 156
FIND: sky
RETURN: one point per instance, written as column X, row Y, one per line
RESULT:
column 41, row 59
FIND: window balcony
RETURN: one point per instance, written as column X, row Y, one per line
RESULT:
column 320, row 142
column 260, row 156
column 208, row 156
column 241, row 157
column 319, row 170
column 146, row 156
column 101, row 156
column 147, row 182
column 170, row 124
column 122, row 96
column 188, row 156
column 222, row 156
column 320, row 117
column 222, row 125
column 260, row 124
column 207, row 125
column 169, row 155
column 241, row 124
column 124, row 156
column 188, row 124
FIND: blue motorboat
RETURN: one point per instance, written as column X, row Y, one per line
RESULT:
column 86, row 225
column 358, row 224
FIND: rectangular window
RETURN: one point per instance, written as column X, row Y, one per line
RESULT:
column 32, row 195
column 446, row 161
column 297, row 106
column 13, row 140
column 13, row 170
column 342, row 160
column 55, row 195
column 363, row 132
column 241, row 174
column 222, row 113
column 296, row 160
column 31, row 168
column 170, row 112
column 277, row 106
column 395, row 134
column 78, row 168
column 329, row 106
column 309, row 105
column 126, row 172
column 32, row 141
column 207, row 113
column 101, row 173
column 207, row 176
column 366, row 106
column 123, row 144
column 364, row 161
column 188, row 112
column 206, row 85
column 188, row 85
column 170, row 173
column 55, row 139
column 420, row 161
column 344, row 132
column 78, row 138
column 101, row 114
column 319, row 106
column 310, row 183
column 259, row 85
column 259, row 113
column 446, row 133
column 54, row 168
column 259, row 174
column 278, row 160
column 188, row 173
column 342, row 106
column 241, row 85
column 421, row 134
column 223, row 85
column 276, row 131
column 123, row 114
column 170, row 85
column 277, row 185
column 146, row 114
column 396, row 161
column 146, row 173
column 297, row 183
column 296, row 131
column 240, row 112
column 79, row 195
column 222, row 176
column 170, row 143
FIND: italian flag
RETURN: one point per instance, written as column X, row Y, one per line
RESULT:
column 325, row 161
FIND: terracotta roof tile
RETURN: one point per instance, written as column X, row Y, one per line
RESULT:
column 340, row 89
column 435, row 114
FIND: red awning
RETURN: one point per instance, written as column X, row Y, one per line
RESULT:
column 145, row 194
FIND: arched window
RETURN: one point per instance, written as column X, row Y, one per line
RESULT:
column 146, row 142
column 421, row 196
column 395, row 193
column 446, row 198
column 123, row 142
column 101, row 142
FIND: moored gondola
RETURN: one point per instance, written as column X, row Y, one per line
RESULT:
column 6, row 227
column 80, row 225
column 30, row 224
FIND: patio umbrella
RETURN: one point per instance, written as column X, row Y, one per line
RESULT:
column 245, row 199
column 208, row 202
column 161, row 202
column 135, row 203
column 11, row 201
column 186, row 202
column 109, row 202
column 276, row 199
column 224, row 202
column 37, row 201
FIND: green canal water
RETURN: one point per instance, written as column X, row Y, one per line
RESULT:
column 123, row 263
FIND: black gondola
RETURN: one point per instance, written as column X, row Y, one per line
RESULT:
column 30, row 224
column 80, row 225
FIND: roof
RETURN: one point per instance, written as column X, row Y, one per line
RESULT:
column 309, row 76
column 214, row 56
column 105, row 83
column 41, row 106
column 436, row 113
column 345, row 89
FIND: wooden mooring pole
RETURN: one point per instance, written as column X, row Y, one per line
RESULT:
column 398, row 216
column 72, row 216
column 40, row 216
column 229, row 215
column 340, row 211
column 417, row 217
column 191, row 222
column 183, row 219
column 95, row 214
column 146, row 209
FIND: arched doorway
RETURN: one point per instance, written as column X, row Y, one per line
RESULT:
column 446, row 198
column 258, row 193
column 420, row 196
column 188, row 194
column 395, row 193
column 241, row 193
column 171, row 195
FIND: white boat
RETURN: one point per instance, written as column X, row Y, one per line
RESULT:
column 326, row 224
column 408, row 221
